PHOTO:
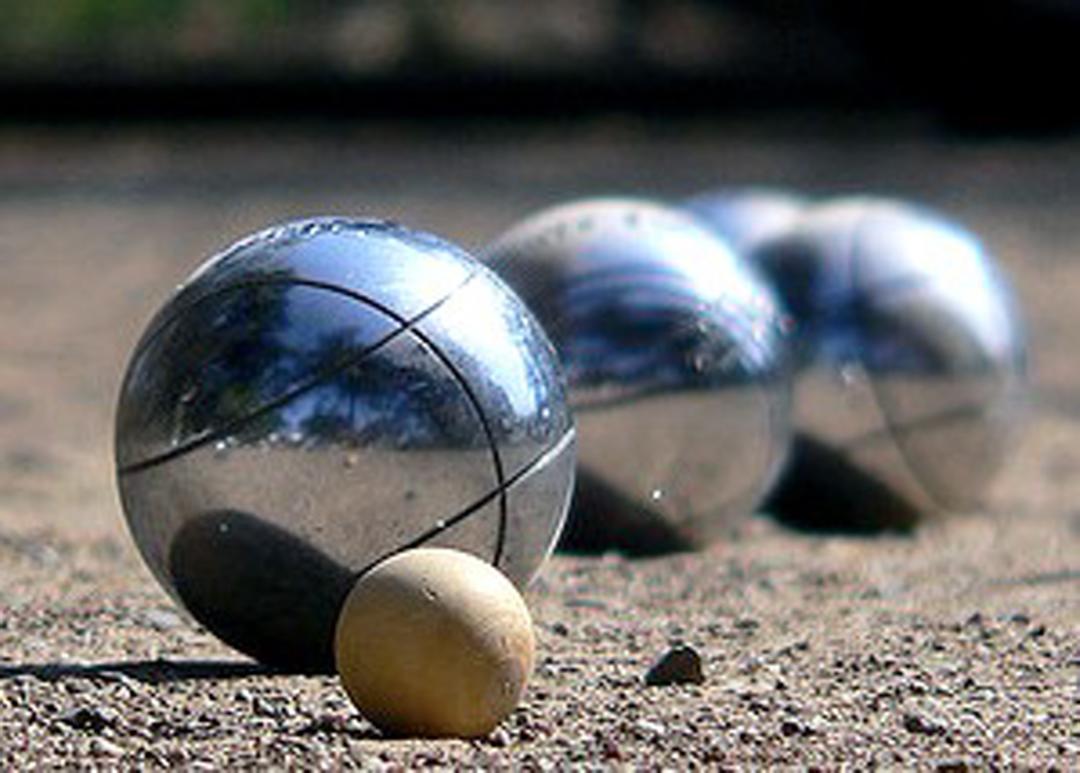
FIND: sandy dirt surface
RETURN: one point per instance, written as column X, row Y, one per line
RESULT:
column 954, row 647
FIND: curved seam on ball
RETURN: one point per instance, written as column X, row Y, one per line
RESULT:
column 406, row 325
column 890, row 431
column 448, row 523
column 888, row 428
column 368, row 226
column 500, row 474
column 158, row 327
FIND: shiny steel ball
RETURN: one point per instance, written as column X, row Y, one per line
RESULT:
column 745, row 216
column 672, row 350
column 325, row 394
column 910, row 356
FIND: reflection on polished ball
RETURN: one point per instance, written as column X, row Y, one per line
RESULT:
column 910, row 356
column 745, row 216
column 322, row 395
column 672, row 349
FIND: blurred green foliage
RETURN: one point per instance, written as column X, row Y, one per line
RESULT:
column 43, row 27
column 155, row 38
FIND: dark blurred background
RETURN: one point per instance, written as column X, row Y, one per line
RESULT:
column 993, row 66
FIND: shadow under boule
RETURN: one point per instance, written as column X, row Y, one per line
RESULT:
column 823, row 492
column 602, row 519
column 260, row 589
column 159, row 671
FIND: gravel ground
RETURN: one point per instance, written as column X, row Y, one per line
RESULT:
column 956, row 646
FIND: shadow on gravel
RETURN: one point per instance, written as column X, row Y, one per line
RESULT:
column 260, row 589
column 146, row 671
column 602, row 519
column 822, row 493
column 819, row 494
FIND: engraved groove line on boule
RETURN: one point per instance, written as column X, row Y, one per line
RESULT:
column 351, row 360
column 408, row 326
column 447, row 523
column 159, row 326
column 301, row 230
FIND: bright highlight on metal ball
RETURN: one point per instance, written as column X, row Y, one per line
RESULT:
column 745, row 216
column 672, row 349
column 910, row 355
column 320, row 396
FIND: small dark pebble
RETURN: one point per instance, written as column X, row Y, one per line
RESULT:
column 790, row 727
column 679, row 665
column 952, row 766
column 916, row 723
column 85, row 718
column 326, row 723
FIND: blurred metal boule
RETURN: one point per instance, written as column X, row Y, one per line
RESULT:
column 324, row 394
column 745, row 216
column 672, row 350
column 910, row 360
